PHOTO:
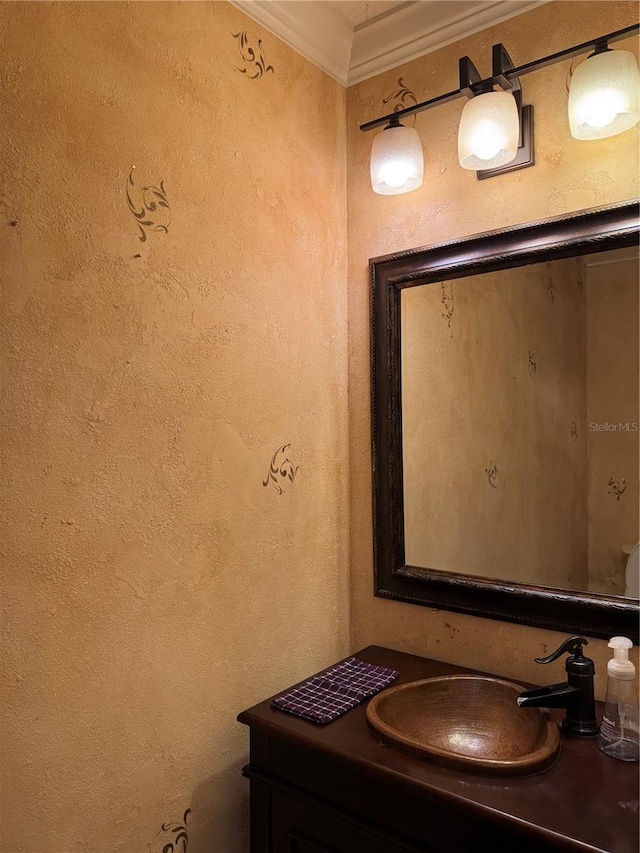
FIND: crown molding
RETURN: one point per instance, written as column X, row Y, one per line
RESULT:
column 310, row 27
column 416, row 28
column 421, row 28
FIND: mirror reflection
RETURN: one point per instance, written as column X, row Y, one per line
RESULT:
column 520, row 424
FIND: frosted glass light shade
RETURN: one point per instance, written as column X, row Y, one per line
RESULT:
column 604, row 97
column 489, row 131
column 397, row 162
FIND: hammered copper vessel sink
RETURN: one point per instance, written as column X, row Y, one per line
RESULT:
column 468, row 722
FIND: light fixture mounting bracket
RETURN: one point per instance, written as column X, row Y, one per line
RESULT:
column 471, row 83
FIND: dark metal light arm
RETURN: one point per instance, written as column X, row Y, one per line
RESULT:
column 508, row 75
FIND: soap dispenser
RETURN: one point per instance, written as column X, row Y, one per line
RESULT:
column 619, row 732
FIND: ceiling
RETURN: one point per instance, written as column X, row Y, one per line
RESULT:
column 356, row 39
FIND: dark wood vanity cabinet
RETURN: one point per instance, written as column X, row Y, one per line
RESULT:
column 300, row 826
column 338, row 789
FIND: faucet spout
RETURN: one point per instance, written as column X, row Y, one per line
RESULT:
column 552, row 696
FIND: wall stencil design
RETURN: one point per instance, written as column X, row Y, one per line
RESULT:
column 282, row 471
column 149, row 206
column 401, row 98
column 532, row 364
column 492, row 474
column 447, row 300
column 551, row 287
column 617, row 487
column 574, row 430
column 176, row 835
column 251, row 56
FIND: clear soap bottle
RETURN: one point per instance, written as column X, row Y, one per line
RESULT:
column 619, row 733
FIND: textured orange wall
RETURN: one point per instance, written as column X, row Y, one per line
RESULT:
column 568, row 175
column 153, row 587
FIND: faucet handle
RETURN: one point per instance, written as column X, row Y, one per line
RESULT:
column 573, row 645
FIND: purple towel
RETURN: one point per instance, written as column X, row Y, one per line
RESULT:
column 328, row 696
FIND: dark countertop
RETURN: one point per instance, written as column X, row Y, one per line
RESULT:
column 586, row 799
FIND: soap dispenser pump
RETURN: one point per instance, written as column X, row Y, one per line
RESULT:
column 619, row 733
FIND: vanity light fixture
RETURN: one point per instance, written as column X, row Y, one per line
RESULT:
column 604, row 94
column 496, row 130
column 397, row 161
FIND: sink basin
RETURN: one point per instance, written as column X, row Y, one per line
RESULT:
column 468, row 722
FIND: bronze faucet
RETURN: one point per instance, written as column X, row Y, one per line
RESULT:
column 575, row 694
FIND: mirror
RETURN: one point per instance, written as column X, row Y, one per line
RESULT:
column 505, row 393
column 520, row 422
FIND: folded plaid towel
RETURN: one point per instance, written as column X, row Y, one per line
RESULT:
column 328, row 696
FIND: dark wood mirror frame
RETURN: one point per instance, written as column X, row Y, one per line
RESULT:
column 580, row 233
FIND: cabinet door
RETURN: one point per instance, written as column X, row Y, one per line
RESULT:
column 298, row 827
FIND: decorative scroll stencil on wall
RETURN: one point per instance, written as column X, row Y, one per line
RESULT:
column 617, row 487
column 492, row 474
column 401, row 98
column 447, row 300
column 282, row 472
column 252, row 57
column 149, row 206
column 551, row 287
column 175, row 836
